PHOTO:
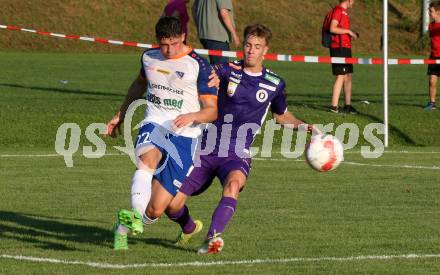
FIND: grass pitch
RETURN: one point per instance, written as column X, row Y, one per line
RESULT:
column 293, row 219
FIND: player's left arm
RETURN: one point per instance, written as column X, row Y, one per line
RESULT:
column 288, row 120
column 283, row 116
column 208, row 113
column 207, row 97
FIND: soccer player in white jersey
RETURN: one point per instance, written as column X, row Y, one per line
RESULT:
column 176, row 80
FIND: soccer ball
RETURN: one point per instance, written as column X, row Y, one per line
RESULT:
column 324, row 153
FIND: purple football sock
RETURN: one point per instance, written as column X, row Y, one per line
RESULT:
column 222, row 215
column 183, row 218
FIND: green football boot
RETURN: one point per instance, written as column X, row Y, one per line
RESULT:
column 120, row 240
column 184, row 239
column 132, row 220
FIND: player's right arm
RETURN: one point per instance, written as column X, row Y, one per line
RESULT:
column 135, row 92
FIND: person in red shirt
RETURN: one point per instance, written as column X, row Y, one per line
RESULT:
column 341, row 47
column 434, row 69
column 177, row 9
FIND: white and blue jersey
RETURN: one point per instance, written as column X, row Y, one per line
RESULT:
column 175, row 87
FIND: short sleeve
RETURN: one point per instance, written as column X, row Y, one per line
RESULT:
column 224, row 4
column 203, row 78
column 337, row 14
column 279, row 102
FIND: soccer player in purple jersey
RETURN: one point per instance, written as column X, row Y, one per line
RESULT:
column 247, row 91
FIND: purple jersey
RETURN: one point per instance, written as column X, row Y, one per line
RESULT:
column 243, row 102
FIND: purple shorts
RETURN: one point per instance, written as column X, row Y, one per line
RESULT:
column 211, row 166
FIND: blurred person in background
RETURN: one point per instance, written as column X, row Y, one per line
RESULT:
column 434, row 69
column 177, row 9
column 214, row 20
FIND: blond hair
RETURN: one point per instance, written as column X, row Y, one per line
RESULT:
column 258, row 30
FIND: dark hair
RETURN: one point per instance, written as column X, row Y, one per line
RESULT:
column 168, row 27
column 258, row 30
column 435, row 5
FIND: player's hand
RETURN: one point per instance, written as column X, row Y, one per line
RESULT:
column 236, row 40
column 183, row 121
column 114, row 126
column 214, row 81
column 234, row 66
column 313, row 130
column 309, row 128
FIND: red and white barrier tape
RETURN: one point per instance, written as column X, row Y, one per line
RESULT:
column 274, row 57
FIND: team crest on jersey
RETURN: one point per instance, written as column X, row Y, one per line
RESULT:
column 180, row 74
column 232, row 87
column 262, row 96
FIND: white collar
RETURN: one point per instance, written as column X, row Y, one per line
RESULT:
column 251, row 73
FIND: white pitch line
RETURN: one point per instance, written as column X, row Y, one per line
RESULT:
column 275, row 153
column 403, row 152
column 53, row 155
column 219, row 263
column 394, row 166
column 397, row 152
column 31, row 156
column 405, row 166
